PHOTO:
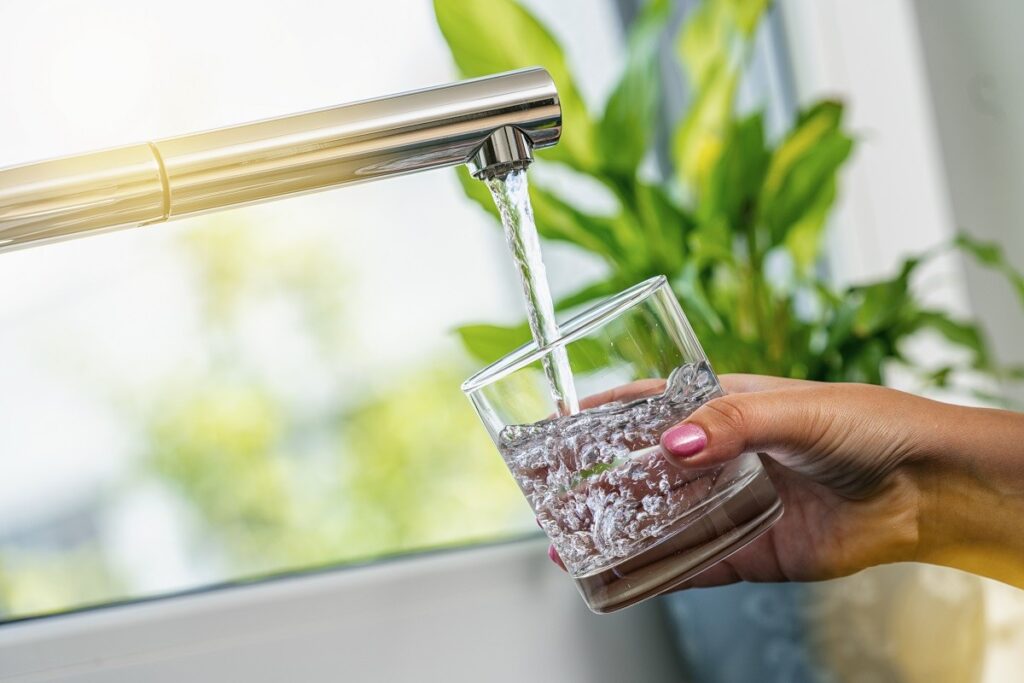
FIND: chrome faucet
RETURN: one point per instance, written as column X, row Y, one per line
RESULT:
column 492, row 124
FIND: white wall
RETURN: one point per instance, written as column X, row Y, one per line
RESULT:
column 974, row 55
column 893, row 201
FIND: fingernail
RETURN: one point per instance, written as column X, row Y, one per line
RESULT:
column 685, row 440
column 553, row 556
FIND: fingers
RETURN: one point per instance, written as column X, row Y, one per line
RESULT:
column 726, row 427
column 744, row 384
column 628, row 392
column 733, row 384
column 553, row 556
column 721, row 574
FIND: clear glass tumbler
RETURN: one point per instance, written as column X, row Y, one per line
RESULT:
column 627, row 522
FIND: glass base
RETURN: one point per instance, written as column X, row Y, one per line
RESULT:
column 687, row 550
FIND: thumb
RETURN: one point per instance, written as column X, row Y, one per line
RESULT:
column 731, row 425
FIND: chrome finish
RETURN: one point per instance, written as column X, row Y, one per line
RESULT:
column 491, row 123
column 505, row 150
column 57, row 199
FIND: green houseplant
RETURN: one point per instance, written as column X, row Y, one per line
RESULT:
column 733, row 203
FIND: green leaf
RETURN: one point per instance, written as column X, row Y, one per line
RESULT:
column 811, row 126
column 989, row 253
column 883, row 303
column 838, row 319
column 734, row 182
column 588, row 355
column 694, row 301
column 499, row 35
column 712, row 242
column 488, row 343
column 664, row 226
column 803, row 241
column 800, row 183
column 992, row 255
column 558, row 220
column 867, row 362
column 625, row 129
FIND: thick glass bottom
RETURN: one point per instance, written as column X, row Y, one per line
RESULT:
column 687, row 550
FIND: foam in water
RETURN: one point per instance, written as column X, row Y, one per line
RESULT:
column 511, row 195
column 597, row 480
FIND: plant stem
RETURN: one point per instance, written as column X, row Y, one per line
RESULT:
column 755, row 270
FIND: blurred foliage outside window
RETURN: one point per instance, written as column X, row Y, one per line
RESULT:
column 273, row 482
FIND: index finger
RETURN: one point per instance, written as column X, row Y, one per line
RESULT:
column 739, row 383
column 627, row 392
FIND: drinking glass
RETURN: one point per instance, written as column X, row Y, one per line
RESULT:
column 627, row 522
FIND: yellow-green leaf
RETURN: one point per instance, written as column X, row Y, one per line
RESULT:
column 705, row 41
column 799, row 186
column 500, row 35
column 700, row 137
column 803, row 241
column 746, row 14
column 812, row 126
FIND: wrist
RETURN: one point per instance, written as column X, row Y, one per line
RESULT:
column 971, row 481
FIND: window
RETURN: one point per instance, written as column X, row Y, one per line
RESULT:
column 255, row 391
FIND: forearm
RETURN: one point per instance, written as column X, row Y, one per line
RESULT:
column 972, row 485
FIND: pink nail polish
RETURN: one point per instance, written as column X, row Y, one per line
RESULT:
column 553, row 556
column 685, row 440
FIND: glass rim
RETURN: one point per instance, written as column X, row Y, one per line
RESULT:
column 573, row 329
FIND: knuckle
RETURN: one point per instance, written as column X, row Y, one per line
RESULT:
column 727, row 412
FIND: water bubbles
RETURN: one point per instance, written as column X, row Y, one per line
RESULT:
column 653, row 505
column 604, row 497
column 511, row 434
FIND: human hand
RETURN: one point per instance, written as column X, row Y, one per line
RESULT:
column 868, row 475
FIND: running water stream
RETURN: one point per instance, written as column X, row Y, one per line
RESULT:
column 626, row 523
column 511, row 195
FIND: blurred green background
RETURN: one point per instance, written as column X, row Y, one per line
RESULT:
column 266, row 484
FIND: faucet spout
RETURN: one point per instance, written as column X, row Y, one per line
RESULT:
column 490, row 123
column 505, row 150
